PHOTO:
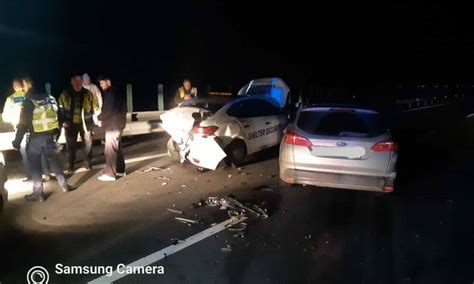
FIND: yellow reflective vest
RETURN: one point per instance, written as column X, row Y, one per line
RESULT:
column 45, row 117
column 12, row 108
column 85, row 104
column 182, row 92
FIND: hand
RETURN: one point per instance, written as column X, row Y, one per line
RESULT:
column 16, row 145
column 187, row 97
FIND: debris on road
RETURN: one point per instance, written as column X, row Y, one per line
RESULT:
column 186, row 221
column 241, row 227
column 239, row 235
column 229, row 176
column 151, row 169
column 264, row 188
column 228, row 248
column 164, row 183
column 234, row 207
column 174, row 211
column 164, row 178
column 201, row 203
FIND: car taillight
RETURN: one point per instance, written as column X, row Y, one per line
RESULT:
column 294, row 138
column 205, row 130
column 385, row 146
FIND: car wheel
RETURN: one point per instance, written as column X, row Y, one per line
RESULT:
column 172, row 149
column 236, row 153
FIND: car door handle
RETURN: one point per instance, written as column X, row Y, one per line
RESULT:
column 268, row 122
column 246, row 126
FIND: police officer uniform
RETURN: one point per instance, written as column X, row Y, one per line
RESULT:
column 39, row 117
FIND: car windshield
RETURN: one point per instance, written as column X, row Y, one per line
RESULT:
column 211, row 104
column 341, row 123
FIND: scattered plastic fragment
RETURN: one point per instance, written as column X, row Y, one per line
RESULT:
column 150, row 169
column 241, row 226
column 174, row 211
column 188, row 221
column 228, row 248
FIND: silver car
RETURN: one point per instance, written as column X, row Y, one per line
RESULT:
column 339, row 146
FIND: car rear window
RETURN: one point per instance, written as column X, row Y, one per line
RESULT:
column 341, row 123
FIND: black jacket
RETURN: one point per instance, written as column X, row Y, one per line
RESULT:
column 114, row 110
column 26, row 117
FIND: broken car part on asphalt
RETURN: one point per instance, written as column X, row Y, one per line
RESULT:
column 235, row 208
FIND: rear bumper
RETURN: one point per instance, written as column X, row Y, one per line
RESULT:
column 339, row 180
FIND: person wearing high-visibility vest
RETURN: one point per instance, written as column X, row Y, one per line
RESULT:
column 39, row 117
column 185, row 92
column 11, row 114
column 77, row 106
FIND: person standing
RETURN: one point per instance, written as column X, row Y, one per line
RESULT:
column 11, row 114
column 76, row 109
column 39, row 117
column 87, row 84
column 113, row 118
column 185, row 92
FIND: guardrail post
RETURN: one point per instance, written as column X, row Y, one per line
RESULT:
column 47, row 87
column 161, row 101
column 129, row 98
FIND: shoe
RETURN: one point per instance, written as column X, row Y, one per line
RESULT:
column 105, row 177
column 46, row 178
column 120, row 174
column 88, row 166
column 67, row 188
column 34, row 197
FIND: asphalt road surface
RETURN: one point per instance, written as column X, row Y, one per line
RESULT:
column 422, row 233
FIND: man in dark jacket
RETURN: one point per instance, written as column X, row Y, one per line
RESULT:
column 113, row 119
column 39, row 117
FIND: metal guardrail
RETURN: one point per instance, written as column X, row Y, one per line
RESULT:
column 138, row 123
column 424, row 102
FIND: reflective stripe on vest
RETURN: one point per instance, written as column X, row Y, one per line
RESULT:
column 45, row 117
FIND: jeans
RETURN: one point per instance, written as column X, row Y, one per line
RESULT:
column 38, row 146
column 25, row 162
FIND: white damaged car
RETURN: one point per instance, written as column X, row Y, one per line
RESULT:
column 207, row 130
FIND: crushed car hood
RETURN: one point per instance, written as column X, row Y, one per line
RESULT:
column 272, row 89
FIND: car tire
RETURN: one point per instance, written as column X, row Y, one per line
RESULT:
column 236, row 153
column 172, row 150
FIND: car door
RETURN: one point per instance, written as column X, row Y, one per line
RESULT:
column 274, row 121
column 246, row 112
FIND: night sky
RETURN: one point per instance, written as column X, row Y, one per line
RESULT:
column 226, row 43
